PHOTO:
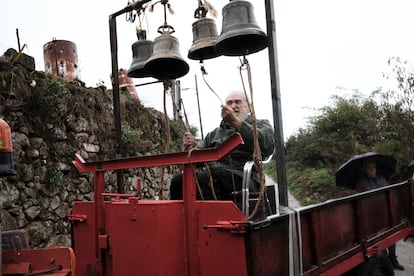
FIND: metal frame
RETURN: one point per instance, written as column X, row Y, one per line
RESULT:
column 247, row 172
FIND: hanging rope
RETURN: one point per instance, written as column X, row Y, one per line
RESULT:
column 204, row 72
column 257, row 155
column 194, row 171
column 167, row 87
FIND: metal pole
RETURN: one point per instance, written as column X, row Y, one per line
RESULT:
column 276, row 103
column 18, row 39
column 198, row 104
column 115, row 84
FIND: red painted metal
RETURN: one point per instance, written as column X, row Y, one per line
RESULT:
column 60, row 260
column 195, row 156
column 5, row 137
column 119, row 234
column 171, row 233
column 341, row 234
column 6, row 150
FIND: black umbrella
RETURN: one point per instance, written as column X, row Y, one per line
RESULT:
column 350, row 171
column 411, row 164
column 410, row 169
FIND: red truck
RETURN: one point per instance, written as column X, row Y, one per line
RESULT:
column 119, row 234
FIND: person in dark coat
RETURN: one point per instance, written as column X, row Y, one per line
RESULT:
column 227, row 175
column 369, row 181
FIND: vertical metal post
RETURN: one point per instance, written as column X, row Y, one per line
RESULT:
column 18, row 43
column 175, row 98
column 115, row 84
column 198, row 104
column 276, row 103
column 116, row 100
column 190, row 221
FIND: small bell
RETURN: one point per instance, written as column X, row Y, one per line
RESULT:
column 141, row 52
column 204, row 37
column 240, row 33
column 166, row 62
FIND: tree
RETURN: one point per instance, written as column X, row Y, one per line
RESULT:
column 383, row 122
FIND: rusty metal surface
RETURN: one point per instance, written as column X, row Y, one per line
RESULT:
column 126, row 83
column 61, row 59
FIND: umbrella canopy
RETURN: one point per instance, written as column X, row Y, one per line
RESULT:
column 350, row 171
column 410, row 169
column 411, row 165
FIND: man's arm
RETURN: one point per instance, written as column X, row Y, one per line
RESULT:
column 265, row 135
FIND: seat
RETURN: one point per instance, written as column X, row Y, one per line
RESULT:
column 271, row 195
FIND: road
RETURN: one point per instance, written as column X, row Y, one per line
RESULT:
column 405, row 253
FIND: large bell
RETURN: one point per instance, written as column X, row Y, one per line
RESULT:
column 240, row 33
column 204, row 39
column 141, row 52
column 166, row 62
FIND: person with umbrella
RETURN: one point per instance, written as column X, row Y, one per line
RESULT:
column 369, row 181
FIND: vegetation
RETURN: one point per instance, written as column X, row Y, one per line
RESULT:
column 53, row 179
column 382, row 122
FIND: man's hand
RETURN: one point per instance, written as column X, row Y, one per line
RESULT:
column 230, row 116
column 188, row 140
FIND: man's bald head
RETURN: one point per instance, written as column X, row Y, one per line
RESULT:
column 237, row 101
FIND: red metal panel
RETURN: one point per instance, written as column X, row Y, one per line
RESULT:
column 60, row 258
column 339, row 234
column 375, row 213
column 151, row 234
column 268, row 247
column 84, row 238
column 221, row 251
column 145, row 238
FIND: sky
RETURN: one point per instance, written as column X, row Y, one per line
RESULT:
column 324, row 48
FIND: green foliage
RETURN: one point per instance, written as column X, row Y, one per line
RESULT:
column 22, row 199
column 53, row 179
column 131, row 138
column 336, row 133
column 381, row 123
column 52, row 95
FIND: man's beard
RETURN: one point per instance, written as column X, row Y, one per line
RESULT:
column 242, row 116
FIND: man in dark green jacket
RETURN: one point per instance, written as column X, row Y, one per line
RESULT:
column 227, row 175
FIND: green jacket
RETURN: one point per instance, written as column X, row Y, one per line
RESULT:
column 236, row 160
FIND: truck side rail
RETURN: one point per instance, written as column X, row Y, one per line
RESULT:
column 340, row 234
column 332, row 237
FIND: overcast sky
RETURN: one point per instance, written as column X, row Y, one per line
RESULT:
column 322, row 45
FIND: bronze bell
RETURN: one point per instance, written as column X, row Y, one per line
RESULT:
column 204, row 37
column 141, row 52
column 166, row 62
column 240, row 33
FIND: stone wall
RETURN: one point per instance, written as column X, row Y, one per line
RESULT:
column 51, row 121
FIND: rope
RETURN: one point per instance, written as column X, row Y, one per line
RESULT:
column 167, row 85
column 203, row 73
column 257, row 155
